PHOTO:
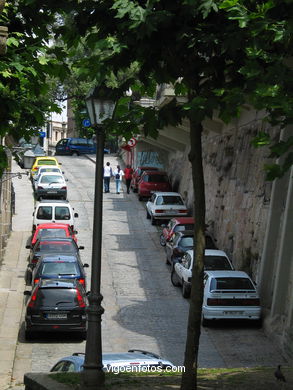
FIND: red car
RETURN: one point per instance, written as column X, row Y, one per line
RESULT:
column 152, row 181
column 53, row 230
column 175, row 225
column 137, row 175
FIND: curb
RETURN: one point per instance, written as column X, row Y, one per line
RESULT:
column 41, row 381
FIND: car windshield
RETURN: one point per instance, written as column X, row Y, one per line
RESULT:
column 156, row 179
column 186, row 242
column 56, row 247
column 168, row 199
column 42, row 170
column 216, row 263
column 59, row 268
column 47, row 162
column 51, row 179
column 231, row 284
column 181, row 228
column 62, row 213
column 44, row 212
column 47, row 233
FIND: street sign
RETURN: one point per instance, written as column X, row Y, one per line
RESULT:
column 132, row 142
column 86, row 123
column 42, row 134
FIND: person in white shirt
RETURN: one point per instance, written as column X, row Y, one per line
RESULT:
column 118, row 174
column 107, row 176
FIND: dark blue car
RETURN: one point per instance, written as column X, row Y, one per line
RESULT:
column 76, row 146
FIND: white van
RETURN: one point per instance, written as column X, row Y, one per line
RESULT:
column 59, row 211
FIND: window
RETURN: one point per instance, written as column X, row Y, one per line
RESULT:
column 52, row 179
column 216, row 263
column 182, row 228
column 44, row 212
column 186, row 242
column 52, row 233
column 47, row 162
column 62, row 213
column 59, row 268
column 231, row 284
column 172, row 200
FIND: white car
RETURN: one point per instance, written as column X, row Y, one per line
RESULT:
column 51, row 185
column 164, row 206
column 182, row 271
column 229, row 295
column 43, row 169
column 55, row 211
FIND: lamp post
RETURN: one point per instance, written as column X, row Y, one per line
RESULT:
column 100, row 107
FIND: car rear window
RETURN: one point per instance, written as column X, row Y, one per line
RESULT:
column 59, row 268
column 51, row 179
column 47, row 162
column 62, row 213
column 186, row 242
column 42, row 170
column 170, row 200
column 216, row 263
column 56, row 247
column 156, row 179
column 44, row 212
column 231, row 284
column 51, row 233
column 57, row 297
column 182, row 228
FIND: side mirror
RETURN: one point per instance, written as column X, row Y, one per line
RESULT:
column 81, row 247
column 28, row 247
column 75, row 215
column 33, row 213
column 66, row 179
column 59, row 163
column 62, row 173
column 27, row 293
column 75, row 232
column 86, row 265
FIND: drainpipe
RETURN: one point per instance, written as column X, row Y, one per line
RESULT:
column 3, row 32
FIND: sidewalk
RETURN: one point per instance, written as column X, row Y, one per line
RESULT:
column 12, row 284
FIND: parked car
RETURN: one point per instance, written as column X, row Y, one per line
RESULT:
column 54, row 211
column 44, row 160
column 178, row 224
column 43, row 169
column 152, row 181
column 49, row 246
column 51, row 185
column 56, row 306
column 165, row 205
column 52, row 230
column 182, row 242
column 59, row 267
column 137, row 175
column 114, row 361
column 182, row 270
column 229, row 295
column 75, row 146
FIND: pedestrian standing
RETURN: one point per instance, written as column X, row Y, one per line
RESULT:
column 118, row 174
column 128, row 172
column 107, row 176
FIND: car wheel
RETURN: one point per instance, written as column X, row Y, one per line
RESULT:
column 205, row 322
column 148, row 215
column 162, row 240
column 153, row 221
column 28, row 277
column 28, row 335
column 174, row 278
column 74, row 154
column 185, row 290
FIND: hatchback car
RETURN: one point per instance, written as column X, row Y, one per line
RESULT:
column 182, row 270
column 229, row 295
column 182, row 242
column 56, row 306
column 179, row 224
column 112, row 362
column 153, row 181
column 45, row 160
column 137, row 175
column 60, row 267
column 54, row 211
column 165, row 205
column 75, row 146
column 51, row 185
column 51, row 230
column 43, row 169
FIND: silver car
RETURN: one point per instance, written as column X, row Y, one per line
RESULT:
column 51, row 185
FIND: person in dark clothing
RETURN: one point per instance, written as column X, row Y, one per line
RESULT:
column 128, row 172
column 107, row 176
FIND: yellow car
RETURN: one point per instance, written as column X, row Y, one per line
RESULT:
column 40, row 161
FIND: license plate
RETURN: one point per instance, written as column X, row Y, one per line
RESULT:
column 52, row 192
column 234, row 312
column 56, row 316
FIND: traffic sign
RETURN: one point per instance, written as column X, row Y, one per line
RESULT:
column 42, row 134
column 132, row 142
column 86, row 123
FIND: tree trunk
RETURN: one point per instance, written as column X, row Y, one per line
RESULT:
column 189, row 377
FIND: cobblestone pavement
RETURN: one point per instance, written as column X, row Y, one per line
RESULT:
column 142, row 308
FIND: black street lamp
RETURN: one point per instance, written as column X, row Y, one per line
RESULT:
column 100, row 106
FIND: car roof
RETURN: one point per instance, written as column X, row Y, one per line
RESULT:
column 227, row 274
column 64, row 258
column 53, row 239
column 50, row 201
column 52, row 226
column 167, row 193
column 52, row 174
column 48, row 166
column 209, row 252
column 45, row 158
